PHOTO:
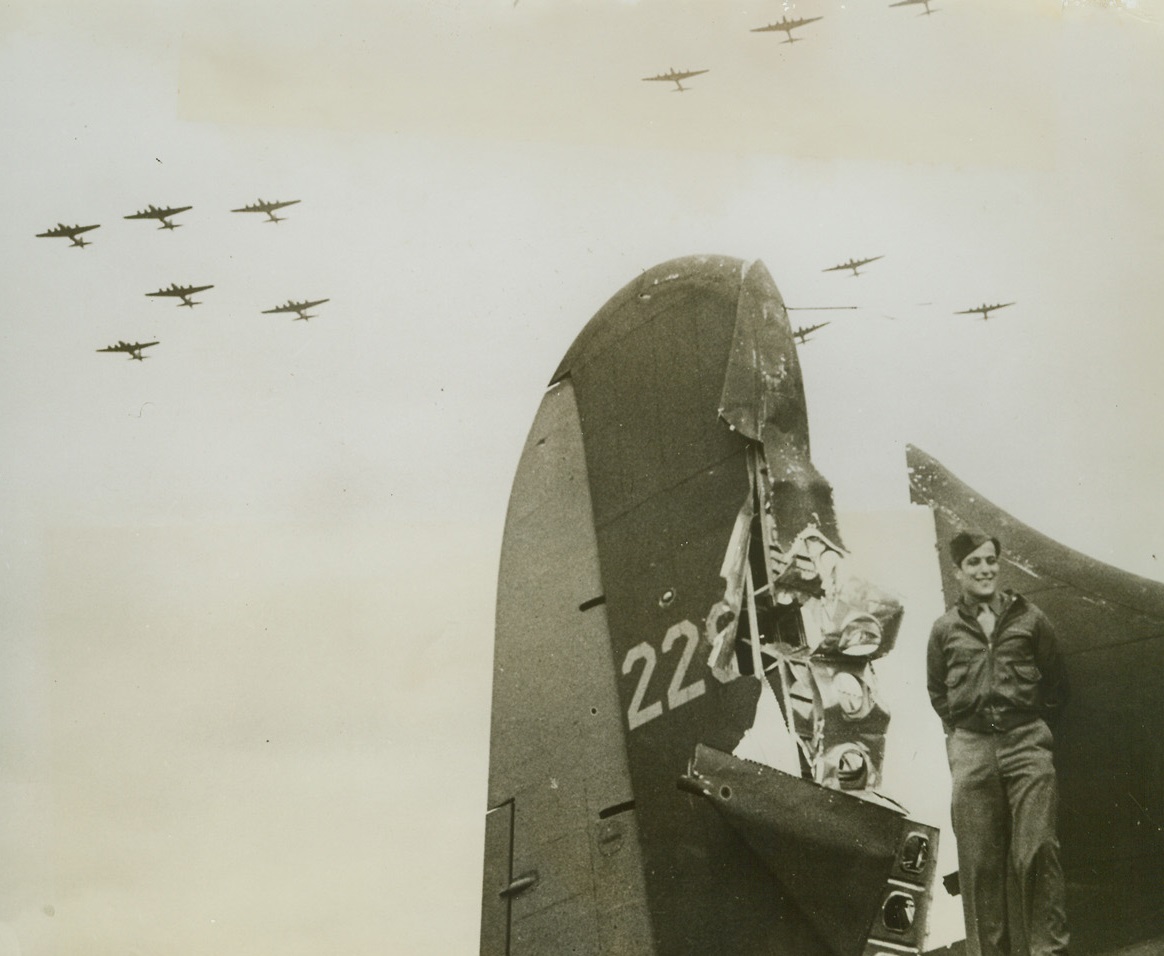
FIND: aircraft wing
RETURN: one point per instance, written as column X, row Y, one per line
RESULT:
column 1110, row 742
column 852, row 264
column 154, row 213
column 786, row 25
column 673, row 75
column 298, row 307
column 129, row 347
column 65, row 231
column 984, row 310
column 263, row 206
column 181, row 290
column 292, row 307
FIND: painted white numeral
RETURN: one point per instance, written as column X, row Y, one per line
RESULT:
column 638, row 715
column 677, row 694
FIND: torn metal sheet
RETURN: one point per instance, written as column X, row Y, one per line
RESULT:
column 810, row 629
column 763, row 399
column 855, row 869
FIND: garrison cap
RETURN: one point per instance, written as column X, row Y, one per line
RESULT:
column 966, row 541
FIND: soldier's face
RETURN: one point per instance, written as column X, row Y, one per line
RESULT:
column 978, row 573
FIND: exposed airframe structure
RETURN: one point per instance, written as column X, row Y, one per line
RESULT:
column 686, row 731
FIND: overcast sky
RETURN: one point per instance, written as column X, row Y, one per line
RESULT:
column 248, row 584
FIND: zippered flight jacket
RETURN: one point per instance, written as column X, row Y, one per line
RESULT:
column 994, row 684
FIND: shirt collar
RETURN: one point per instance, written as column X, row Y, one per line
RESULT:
column 996, row 604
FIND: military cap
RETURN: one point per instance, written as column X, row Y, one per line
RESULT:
column 966, row 541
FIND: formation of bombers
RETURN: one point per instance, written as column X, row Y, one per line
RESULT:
column 784, row 25
column 853, row 265
column 164, row 216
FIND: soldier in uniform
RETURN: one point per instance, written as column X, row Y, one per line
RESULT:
column 996, row 680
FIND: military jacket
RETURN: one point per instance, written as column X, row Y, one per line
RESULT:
column 993, row 684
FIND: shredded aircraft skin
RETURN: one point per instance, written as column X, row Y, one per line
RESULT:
column 819, row 709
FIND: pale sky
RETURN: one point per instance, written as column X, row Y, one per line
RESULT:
column 248, row 584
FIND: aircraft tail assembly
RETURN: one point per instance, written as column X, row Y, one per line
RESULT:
column 671, row 557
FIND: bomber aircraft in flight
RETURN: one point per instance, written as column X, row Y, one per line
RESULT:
column 299, row 307
column 984, row 309
column 787, row 26
column 853, row 264
column 674, row 76
column 183, row 292
column 73, row 233
column 801, row 335
column 133, row 349
column 164, row 216
column 910, row 3
column 267, row 207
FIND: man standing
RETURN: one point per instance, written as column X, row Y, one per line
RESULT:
column 995, row 678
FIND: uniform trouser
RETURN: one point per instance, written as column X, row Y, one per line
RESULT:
column 1003, row 808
